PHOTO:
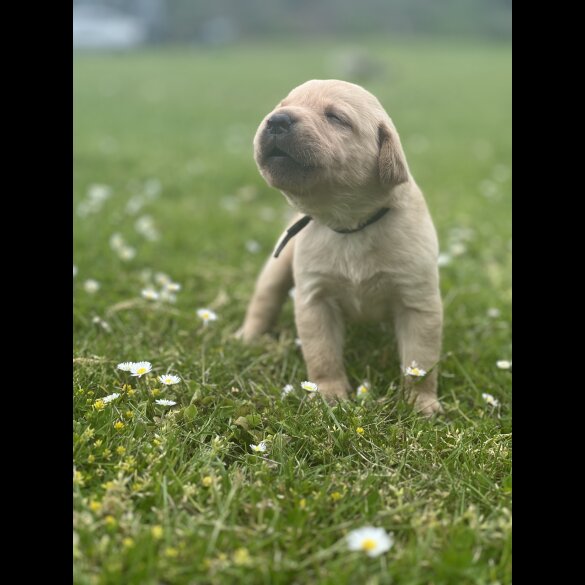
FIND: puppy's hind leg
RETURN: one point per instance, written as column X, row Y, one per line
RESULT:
column 272, row 287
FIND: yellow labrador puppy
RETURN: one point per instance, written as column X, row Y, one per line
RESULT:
column 363, row 246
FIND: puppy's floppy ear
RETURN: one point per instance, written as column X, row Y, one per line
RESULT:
column 391, row 159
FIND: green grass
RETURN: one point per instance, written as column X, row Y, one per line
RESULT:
column 443, row 487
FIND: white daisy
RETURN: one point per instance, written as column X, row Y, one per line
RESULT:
column 169, row 379
column 163, row 402
column 206, row 315
column 491, row 400
column 494, row 313
column 259, row 448
column 144, row 224
column 140, row 368
column 117, row 241
column 309, row 386
column 126, row 253
column 363, row 389
column 101, row 323
column 91, row 286
column 162, row 279
column 298, row 342
column 253, row 246
column 444, row 259
column 287, row 390
column 372, row 541
column 151, row 234
column 125, row 366
column 167, row 297
column 150, row 294
column 110, row 397
column 414, row 370
column 504, row 365
column 172, row 287
column 457, row 248
column 134, row 204
column 99, row 193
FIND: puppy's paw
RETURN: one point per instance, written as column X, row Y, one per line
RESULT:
column 427, row 404
column 333, row 392
column 247, row 334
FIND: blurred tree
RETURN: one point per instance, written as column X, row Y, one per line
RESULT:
column 226, row 20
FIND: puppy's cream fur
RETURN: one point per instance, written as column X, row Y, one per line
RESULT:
column 340, row 161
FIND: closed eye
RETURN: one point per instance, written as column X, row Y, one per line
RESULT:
column 337, row 119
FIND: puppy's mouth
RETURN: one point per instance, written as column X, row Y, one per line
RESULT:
column 285, row 164
column 276, row 152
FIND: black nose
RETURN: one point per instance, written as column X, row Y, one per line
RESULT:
column 279, row 123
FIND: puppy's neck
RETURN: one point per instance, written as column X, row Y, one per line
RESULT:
column 346, row 211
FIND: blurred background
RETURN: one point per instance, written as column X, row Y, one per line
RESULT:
column 168, row 95
column 124, row 24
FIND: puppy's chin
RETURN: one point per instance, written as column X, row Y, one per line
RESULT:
column 285, row 173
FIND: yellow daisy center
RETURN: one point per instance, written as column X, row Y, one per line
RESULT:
column 141, row 371
column 369, row 544
column 416, row 371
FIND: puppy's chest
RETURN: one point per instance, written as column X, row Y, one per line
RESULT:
column 364, row 300
column 352, row 274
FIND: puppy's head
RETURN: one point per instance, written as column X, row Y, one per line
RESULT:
column 327, row 138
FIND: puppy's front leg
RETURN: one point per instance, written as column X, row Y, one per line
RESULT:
column 419, row 333
column 320, row 328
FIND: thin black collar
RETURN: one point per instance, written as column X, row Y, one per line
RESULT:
column 294, row 229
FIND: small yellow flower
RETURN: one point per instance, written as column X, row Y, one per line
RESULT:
column 91, row 458
column 120, row 450
column 157, row 532
column 242, row 557
column 128, row 542
column 78, row 478
column 171, row 552
column 108, row 485
column 207, row 481
column 336, row 496
column 106, row 454
column 129, row 414
column 119, row 425
column 91, row 393
column 155, row 391
column 126, row 388
column 88, row 433
column 98, row 443
column 303, row 504
column 360, row 430
column 110, row 520
column 99, row 404
column 95, row 506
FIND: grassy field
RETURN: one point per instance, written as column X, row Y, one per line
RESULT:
column 174, row 494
